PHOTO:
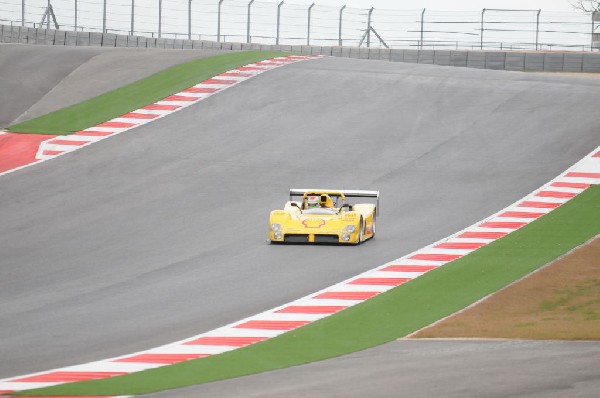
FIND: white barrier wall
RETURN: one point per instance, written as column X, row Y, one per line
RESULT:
column 499, row 60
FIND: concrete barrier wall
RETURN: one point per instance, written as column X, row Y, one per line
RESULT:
column 497, row 60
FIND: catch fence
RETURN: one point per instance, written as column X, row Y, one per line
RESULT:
column 253, row 21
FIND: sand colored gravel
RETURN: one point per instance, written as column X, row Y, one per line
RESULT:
column 560, row 301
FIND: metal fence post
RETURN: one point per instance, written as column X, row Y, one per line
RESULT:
column 248, row 22
column 278, row 21
column 132, row 16
column 48, row 15
column 422, row 23
column 104, row 17
column 308, row 33
column 75, row 24
column 594, row 19
column 481, row 34
column 219, row 21
column 592, row 34
column 189, row 19
column 340, row 24
column 22, row 12
column 369, row 27
column 159, row 18
column 537, row 29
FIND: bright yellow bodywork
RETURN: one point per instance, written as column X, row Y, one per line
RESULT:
column 333, row 220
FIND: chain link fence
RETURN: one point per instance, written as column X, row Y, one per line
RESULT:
column 256, row 21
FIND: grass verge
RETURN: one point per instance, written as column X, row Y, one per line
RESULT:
column 384, row 318
column 135, row 95
column 560, row 301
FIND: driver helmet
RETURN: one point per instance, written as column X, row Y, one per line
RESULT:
column 312, row 201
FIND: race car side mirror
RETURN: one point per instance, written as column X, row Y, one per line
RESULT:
column 346, row 206
column 297, row 205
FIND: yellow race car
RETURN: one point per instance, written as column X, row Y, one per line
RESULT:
column 324, row 216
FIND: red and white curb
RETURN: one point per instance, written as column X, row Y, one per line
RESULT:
column 59, row 145
column 326, row 302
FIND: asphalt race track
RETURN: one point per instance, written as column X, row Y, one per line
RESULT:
column 424, row 369
column 159, row 233
column 37, row 84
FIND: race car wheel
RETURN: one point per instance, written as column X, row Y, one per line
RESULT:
column 361, row 231
column 373, row 225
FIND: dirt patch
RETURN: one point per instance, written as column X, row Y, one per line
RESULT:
column 560, row 301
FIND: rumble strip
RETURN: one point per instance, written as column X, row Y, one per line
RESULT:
column 21, row 150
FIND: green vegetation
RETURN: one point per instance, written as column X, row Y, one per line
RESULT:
column 384, row 318
column 133, row 96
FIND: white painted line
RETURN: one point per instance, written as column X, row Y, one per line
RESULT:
column 348, row 288
column 126, row 367
column 188, row 349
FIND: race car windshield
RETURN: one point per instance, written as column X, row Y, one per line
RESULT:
column 319, row 211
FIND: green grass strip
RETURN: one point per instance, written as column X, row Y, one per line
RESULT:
column 384, row 318
column 138, row 94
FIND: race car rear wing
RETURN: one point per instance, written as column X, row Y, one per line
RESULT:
column 294, row 192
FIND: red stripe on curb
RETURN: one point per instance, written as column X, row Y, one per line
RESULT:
column 68, row 142
column 134, row 115
column 347, row 295
column 119, row 125
column 93, row 133
column 379, row 281
column 503, row 224
column 311, row 309
column 584, row 175
column 521, row 214
column 248, row 68
column 578, row 185
column 67, row 377
column 272, row 325
column 460, row 245
column 482, row 235
column 271, row 63
column 51, row 153
column 161, row 358
column 435, row 257
column 555, row 194
column 180, row 98
column 233, row 74
column 227, row 341
column 409, row 268
column 539, row 205
column 218, row 81
column 19, row 149
column 596, row 155
column 201, row 90
column 160, row 107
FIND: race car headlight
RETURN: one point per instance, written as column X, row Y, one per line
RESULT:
column 278, row 235
column 345, row 237
column 275, row 227
column 350, row 228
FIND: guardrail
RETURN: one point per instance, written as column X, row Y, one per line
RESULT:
column 499, row 60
